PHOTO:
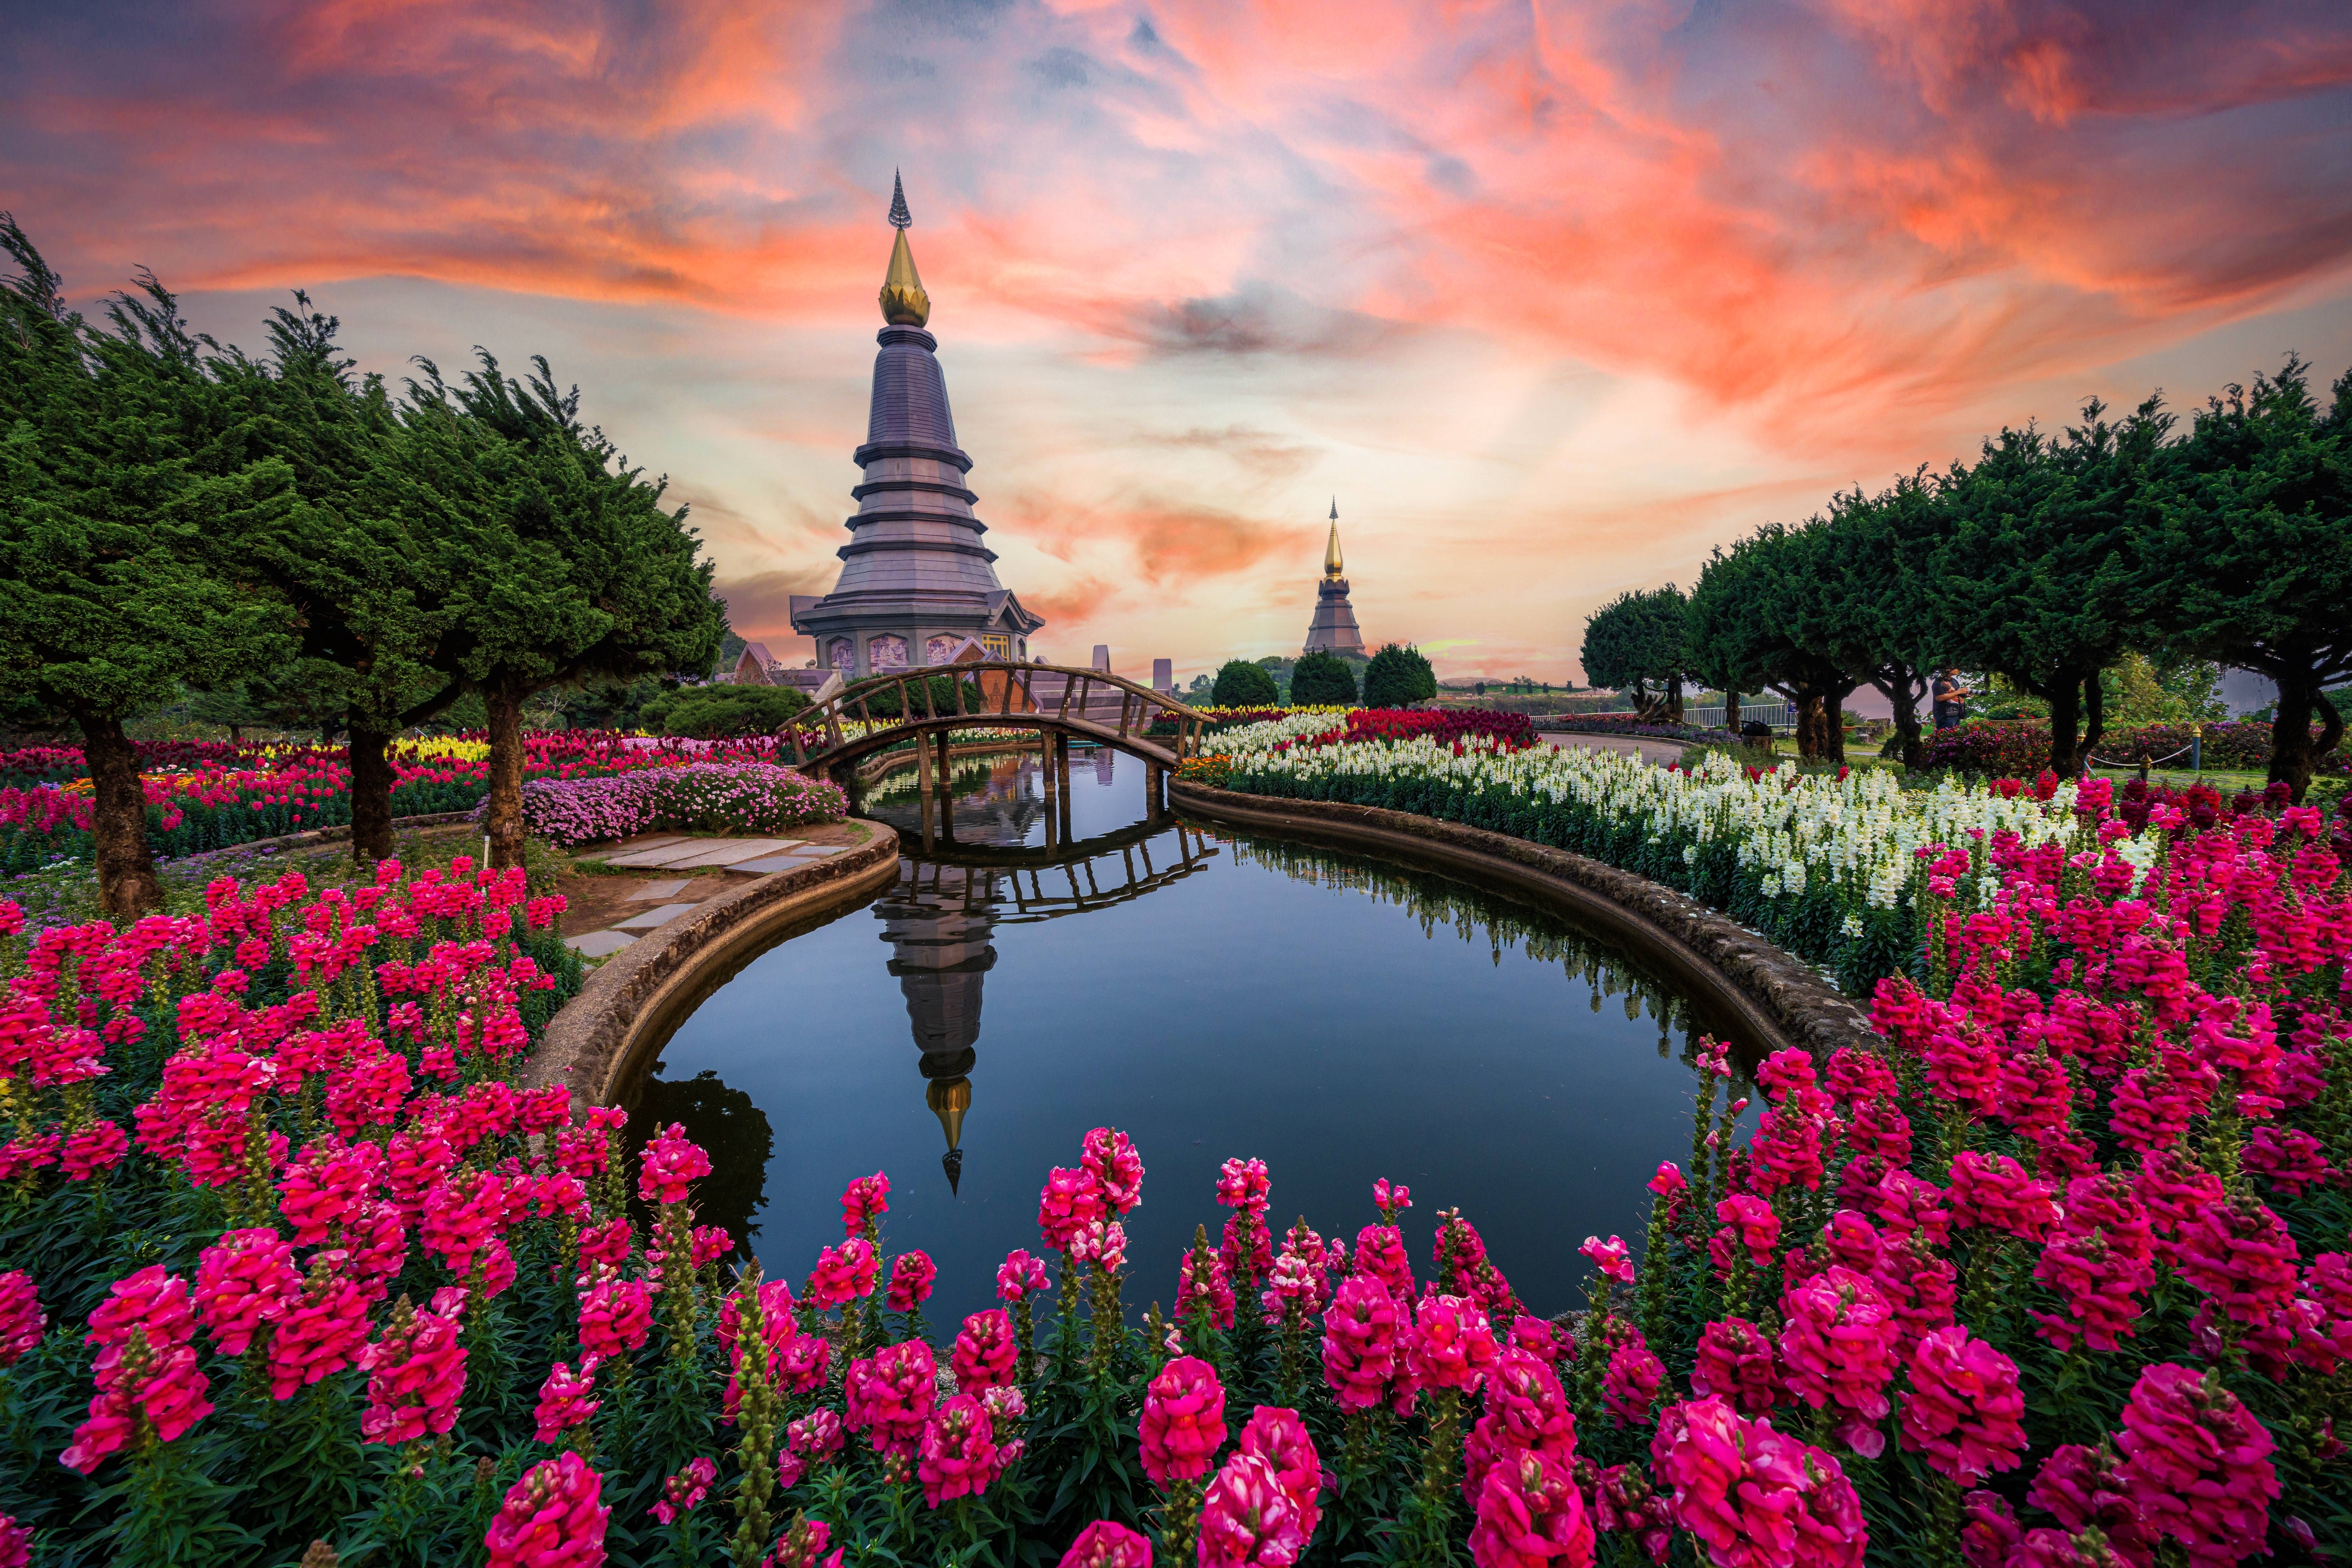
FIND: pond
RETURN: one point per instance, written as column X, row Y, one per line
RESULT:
column 1212, row 993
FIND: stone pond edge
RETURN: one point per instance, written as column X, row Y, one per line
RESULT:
column 1778, row 997
column 597, row 1036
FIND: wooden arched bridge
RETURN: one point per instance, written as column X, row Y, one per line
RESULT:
column 993, row 694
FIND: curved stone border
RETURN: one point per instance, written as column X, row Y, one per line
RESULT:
column 598, row 1036
column 1781, row 999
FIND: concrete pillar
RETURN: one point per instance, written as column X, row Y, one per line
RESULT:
column 1102, row 657
column 1163, row 674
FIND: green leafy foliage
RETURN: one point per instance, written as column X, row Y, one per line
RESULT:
column 1638, row 640
column 884, row 704
column 1320, row 678
column 1241, row 684
column 709, row 713
column 1398, row 676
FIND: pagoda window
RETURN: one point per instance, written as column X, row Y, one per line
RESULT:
column 997, row 647
column 887, row 651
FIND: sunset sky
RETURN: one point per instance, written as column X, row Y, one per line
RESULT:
column 1552, row 298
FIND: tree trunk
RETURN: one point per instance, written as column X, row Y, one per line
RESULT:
column 372, row 782
column 2292, row 752
column 126, row 870
column 1833, row 723
column 2094, row 708
column 1901, row 686
column 505, row 816
column 1812, row 729
column 1731, row 711
column 1673, row 700
column 2066, row 720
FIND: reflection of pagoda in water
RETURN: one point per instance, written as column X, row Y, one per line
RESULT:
column 979, row 868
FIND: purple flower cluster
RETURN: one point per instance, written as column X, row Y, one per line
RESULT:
column 710, row 797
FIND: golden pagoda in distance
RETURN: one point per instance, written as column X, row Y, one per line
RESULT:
column 1333, row 629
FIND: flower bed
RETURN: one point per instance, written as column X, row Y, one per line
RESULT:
column 2057, row 1278
column 2020, row 750
column 702, row 797
column 210, row 796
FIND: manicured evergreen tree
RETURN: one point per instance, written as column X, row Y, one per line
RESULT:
column 1878, row 615
column 124, row 565
column 1398, row 676
column 2035, row 577
column 709, row 713
column 1241, row 684
column 1772, row 612
column 1638, row 640
column 562, row 565
column 2250, row 563
column 1319, row 679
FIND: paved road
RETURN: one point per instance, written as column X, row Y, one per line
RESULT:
column 1641, row 746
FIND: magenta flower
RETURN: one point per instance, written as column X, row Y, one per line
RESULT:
column 2198, row 1463
column 1736, row 1362
column 1747, row 1222
column 843, row 1274
column 322, row 1332
column 1359, row 1343
column 1103, row 1545
column 669, row 1162
column 614, row 1317
column 1530, row 1515
column 1994, row 1191
column 1451, row 1345
column 956, row 1456
column 1755, row 1497
column 912, row 1277
column 1279, row 1437
column 2085, row 1489
column 1019, row 1276
column 563, row 1400
column 551, row 1517
column 245, row 1281
column 1989, row 1532
column 1527, row 1410
column 817, row 1436
column 1610, row 1258
column 1244, row 1185
column 99, row 1146
column 1068, row 1203
column 1837, row 1347
column 21, row 1318
column 804, row 1545
column 1183, row 1421
column 683, row 1491
column 863, row 1204
column 145, row 1370
column 1964, row 1410
column 416, row 1372
column 1216, row 1291
column 1118, row 1170
column 890, row 1394
column 1380, row 1254
column 1392, row 1200
column 2240, row 1257
column 984, row 1352
column 1247, row 1520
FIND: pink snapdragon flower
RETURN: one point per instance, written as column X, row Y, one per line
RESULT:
column 1244, row 1185
column 803, row 1546
column 1450, row 1344
column 1390, row 1198
column 1019, row 1276
column 99, row 1146
column 145, row 1370
column 1109, row 1157
column 818, row 1437
column 2198, row 1463
column 1964, row 1409
column 2240, row 1257
column 1629, row 1387
column 1380, row 1254
column 416, row 1371
column 1736, row 1362
column 1247, row 1519
column 843, row 1274
column 912, row 1274
column 21, row 1318
column 1183, row 1421
column 2086, row 1490
column 563, row 1400
column 1278, row 1437
column 1747, row 1222
column 957, row 1455
column 1993, row 1190
column 1217, row 1290
column 671, row 1162
column 615, row 1315
column 320, row 1332
column 1070, row 1200
column 1752, row 1496
column 1610, row 1258
column 1104, row 1544
column 984, row 1352
column 1530, row 1514
column 890, row 1394
column 1989, row 1532
column 1837, row 1347
column 682, row 1491
column 1526, row 1409
column 863, row 1204
column 244, row 1280
column 1359, row 1343
column 551, row 1517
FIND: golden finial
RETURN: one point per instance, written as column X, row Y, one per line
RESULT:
column 904, row 303
column 1332, row 565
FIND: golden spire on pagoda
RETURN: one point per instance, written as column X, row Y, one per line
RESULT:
column 904, row 303
column 1332, row 565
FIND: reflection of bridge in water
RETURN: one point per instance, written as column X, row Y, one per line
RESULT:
column 976, row 869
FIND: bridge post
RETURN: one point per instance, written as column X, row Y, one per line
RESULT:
column 1052, row 793
column 944, row 772
column 923, row 764
column 1154, row 796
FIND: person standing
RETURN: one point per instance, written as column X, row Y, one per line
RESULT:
column 1951, row 700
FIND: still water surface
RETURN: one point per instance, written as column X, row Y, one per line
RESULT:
column 1211, row 994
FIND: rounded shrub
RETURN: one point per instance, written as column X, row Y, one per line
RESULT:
column 714, row 713
column 1398, row 676
column 1241, row 684
column 1322, row 678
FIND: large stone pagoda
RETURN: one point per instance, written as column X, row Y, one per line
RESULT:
column 916, row 582
column 1333, row 629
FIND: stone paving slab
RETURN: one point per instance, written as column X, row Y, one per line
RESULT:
column 652, row 918
column 661, row 856
column 730, row 851
column 766, row 864
column 599, row 944
column 660, row 890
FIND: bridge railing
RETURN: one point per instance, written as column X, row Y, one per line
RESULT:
column 818, row 731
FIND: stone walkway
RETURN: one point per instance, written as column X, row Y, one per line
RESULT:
column 634, row 897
